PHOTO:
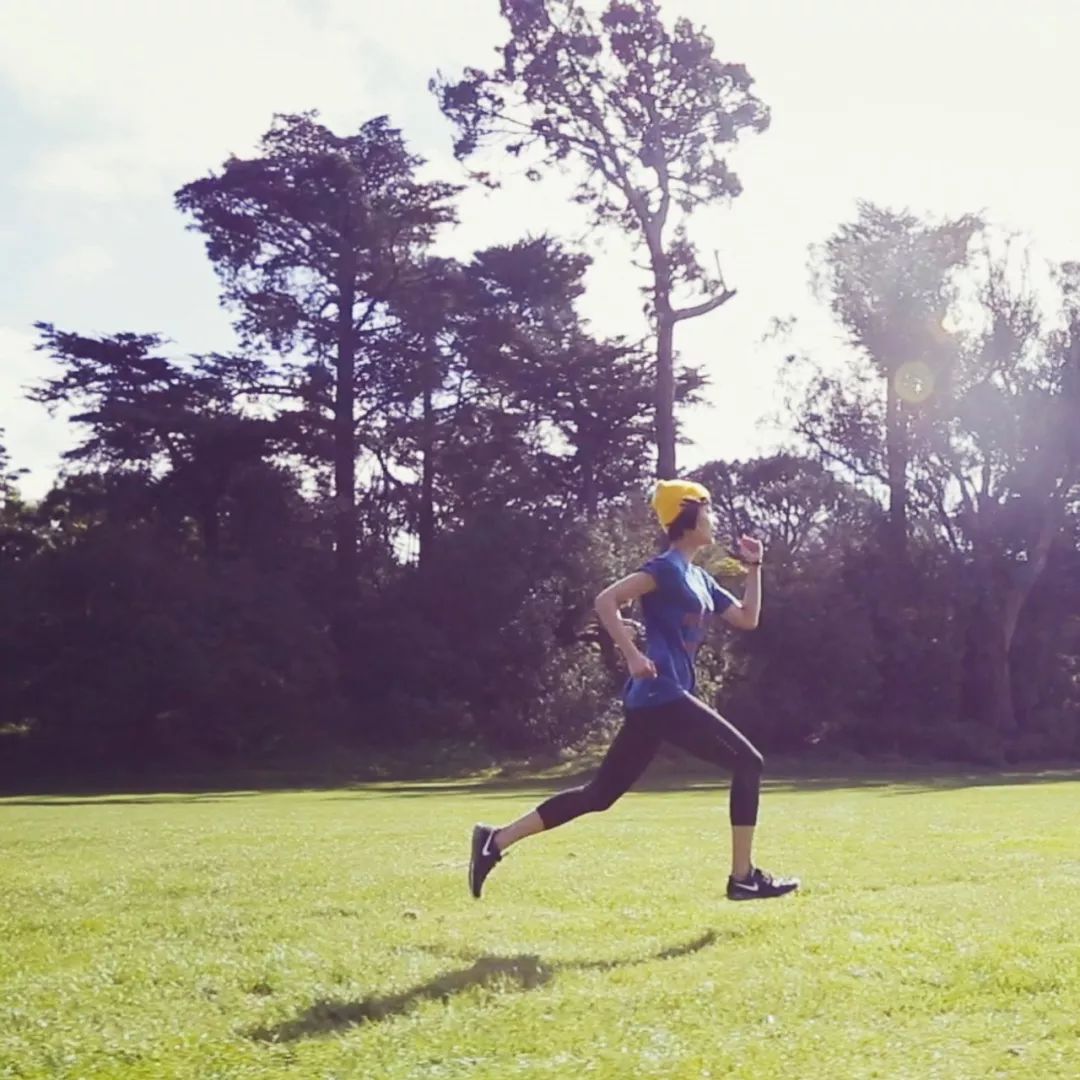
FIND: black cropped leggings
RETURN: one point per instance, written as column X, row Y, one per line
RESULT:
column 686, row 723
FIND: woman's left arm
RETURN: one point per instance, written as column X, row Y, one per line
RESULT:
column 747, row 614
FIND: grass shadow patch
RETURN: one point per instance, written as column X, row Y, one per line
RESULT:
column 504, row 974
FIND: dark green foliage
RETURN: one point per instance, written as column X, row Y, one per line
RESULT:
column 129, row 649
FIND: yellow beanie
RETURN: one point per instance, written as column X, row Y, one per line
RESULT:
column 669, row 496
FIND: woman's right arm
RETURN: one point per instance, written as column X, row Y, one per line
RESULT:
column 608, row 604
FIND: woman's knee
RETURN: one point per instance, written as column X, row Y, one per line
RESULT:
column 598, row 797
column 751, row 762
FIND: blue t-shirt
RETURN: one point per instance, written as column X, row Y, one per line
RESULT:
column 677, row 615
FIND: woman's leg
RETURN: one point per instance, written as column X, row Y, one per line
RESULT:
column 632, row 749
column 630, row 752
column 697, row 729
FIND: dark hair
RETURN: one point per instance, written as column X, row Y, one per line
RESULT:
column 686, row 521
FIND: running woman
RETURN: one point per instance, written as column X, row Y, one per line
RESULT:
column 678, row 600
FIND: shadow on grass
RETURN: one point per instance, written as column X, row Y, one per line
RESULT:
column 673, row 952
column 506, row 974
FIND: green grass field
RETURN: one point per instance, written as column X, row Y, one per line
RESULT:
column 330, row 934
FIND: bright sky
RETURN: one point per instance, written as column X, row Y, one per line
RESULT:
column 106, row 108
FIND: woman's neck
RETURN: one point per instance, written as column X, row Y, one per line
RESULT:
column 688, row 549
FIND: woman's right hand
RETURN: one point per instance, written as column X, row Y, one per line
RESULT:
column 641, row 667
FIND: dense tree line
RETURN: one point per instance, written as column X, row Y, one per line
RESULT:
column 381, row 520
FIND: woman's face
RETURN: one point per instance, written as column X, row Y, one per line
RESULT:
column 706, row 525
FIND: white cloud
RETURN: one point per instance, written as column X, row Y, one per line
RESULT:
column 163, row 92
column 83, row 263
column 159, row 93
column 109, row 170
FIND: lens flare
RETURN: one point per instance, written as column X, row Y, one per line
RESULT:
column 914, row 382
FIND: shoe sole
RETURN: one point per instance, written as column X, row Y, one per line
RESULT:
column 740, row 898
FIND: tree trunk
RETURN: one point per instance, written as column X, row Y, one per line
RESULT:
column 893, row 585
column 665, row 390
column 665, row 342
column 988, row 691
column 995, row 613
column 589, row 500
column 345, row 432
column 210, row 526
column 427, row 473
column 998, row 713
column 1023, row 581
column 896, row 453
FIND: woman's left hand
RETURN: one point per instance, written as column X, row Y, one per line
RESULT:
column 751, row 549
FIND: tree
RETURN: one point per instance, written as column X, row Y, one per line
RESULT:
column 166, row 607
column 787, row 500
column 581, row 398
column 1003, row 470
column 178, row 425
column 888, row 277
column 650, row 114
column 986, row 447
column 504, row 396
column 125, row 649
column 311, row 239
column 16, row 527
column 8, row 475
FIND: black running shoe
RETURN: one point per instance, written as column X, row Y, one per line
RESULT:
column 760, row 886
column 484, row 857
